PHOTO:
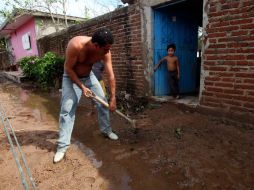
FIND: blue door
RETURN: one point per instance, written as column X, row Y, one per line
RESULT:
column 175, row 24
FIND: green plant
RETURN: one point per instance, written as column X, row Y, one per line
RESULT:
column 46, row 71
column 27, row 64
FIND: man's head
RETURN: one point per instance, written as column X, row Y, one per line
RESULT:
column 171, row 48
column 103, row 39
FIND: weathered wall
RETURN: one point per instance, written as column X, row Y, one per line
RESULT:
column 44, row 26
column 147, row 47
column 4, row 60
column 228, row 59
column 125, row 24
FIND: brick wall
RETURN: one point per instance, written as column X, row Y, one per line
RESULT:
column 125, row 24
column 229, row 56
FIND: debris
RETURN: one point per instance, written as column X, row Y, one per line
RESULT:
column 178, row 133
column 130, row 104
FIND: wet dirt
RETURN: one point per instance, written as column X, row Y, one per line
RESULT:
column 172, row 148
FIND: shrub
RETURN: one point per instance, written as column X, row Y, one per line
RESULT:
column 46, row 71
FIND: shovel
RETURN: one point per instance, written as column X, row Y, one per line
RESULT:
column 97, row 98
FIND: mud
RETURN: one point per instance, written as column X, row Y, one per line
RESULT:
column 172, row 148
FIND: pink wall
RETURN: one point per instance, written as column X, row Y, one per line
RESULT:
column 16, row 40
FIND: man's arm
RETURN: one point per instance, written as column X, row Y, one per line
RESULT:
column 70, row 61
column 112, row 83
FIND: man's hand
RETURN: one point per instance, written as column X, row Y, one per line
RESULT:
column 112, row 104
column 86, row 91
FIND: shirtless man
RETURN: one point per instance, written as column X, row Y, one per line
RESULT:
column 81, row 53
column 173, row 69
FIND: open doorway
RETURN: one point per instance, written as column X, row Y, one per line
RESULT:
column 178, row 22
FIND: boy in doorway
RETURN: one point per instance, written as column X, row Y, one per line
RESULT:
column 173, row 69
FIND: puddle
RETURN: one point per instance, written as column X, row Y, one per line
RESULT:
column 89, row 154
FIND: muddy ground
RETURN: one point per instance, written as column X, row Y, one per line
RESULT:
column 173, row 148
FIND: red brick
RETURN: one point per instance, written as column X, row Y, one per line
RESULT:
column 247, row 26
column 245, row 75
column 209, row 63
column 217, row 46
column 248, row 3
column 229, row 63
column 232, row 102
column 212, row 57
column 233, row 92
column 222, row 74
column 238, row 69
column 244, row 98
column 250, row 56
column 239, row 33
column 224, row 84
column 217, row 68
column 209, row 83
column 245, row 86
column 220, row 24
column 213, row 41
column 209, row 78
column 248, row 81
column 214, row 89
column 240, row 22
column 249, row 50
column 223, row 96
column 228, row 80
column 251, row 93
column 238, row 44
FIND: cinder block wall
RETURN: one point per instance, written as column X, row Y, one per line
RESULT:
column 228, row 59
column 125, row 24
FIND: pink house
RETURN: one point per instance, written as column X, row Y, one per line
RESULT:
column 25, row 27
column 23, row 40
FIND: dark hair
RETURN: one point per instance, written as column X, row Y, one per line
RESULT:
column 171, row 46
column 103, row 36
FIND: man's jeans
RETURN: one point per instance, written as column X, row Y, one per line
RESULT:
column 71, row 94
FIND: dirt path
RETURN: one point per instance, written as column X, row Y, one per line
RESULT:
column 174, row 149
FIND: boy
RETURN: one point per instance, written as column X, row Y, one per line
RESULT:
column 173, row 69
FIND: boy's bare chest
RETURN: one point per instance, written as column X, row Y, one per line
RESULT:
column 171, row 60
